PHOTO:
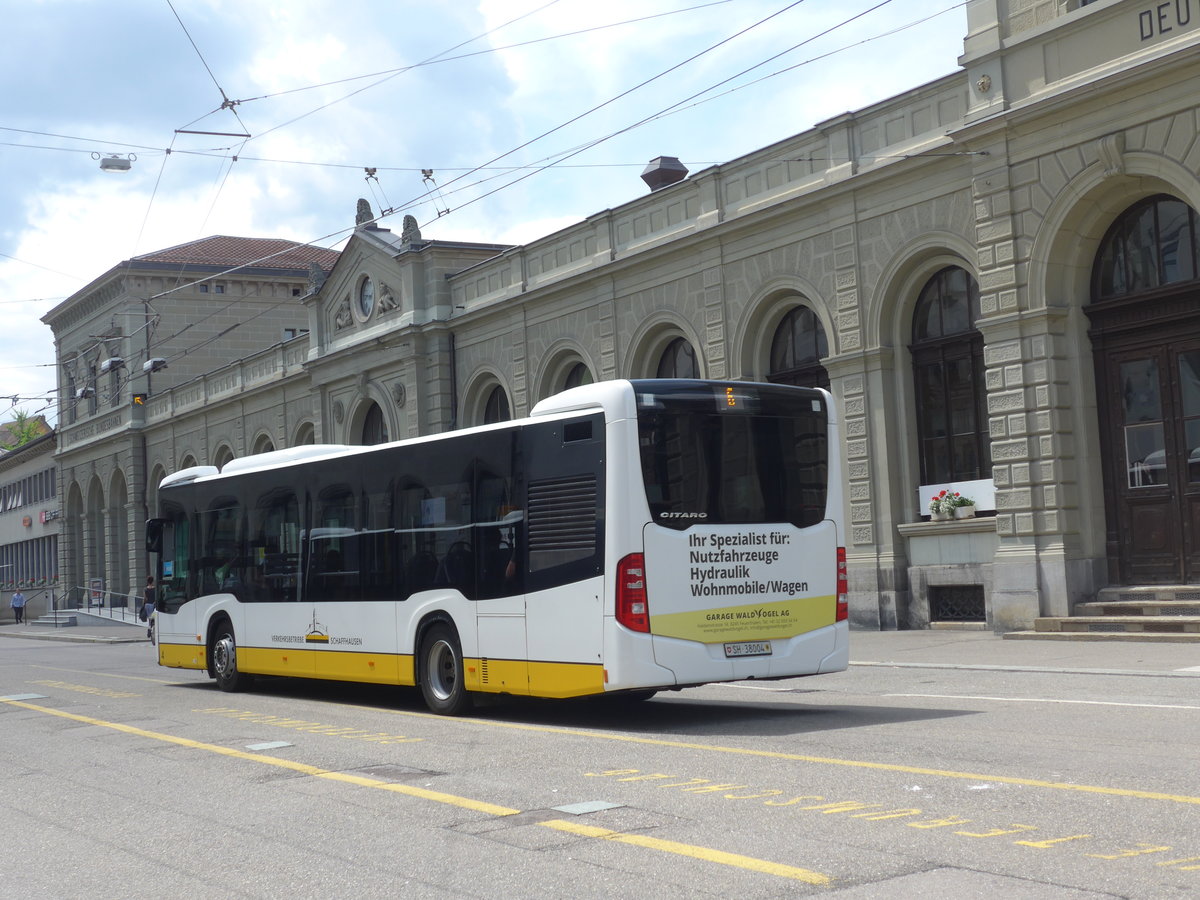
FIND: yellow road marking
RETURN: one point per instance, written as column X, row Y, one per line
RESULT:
column 704, row 853
column 302, row 768
column 824, row 760
column 795, row 757
column 175, row 682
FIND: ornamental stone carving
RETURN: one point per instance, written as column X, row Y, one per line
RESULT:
column 343, row 318
column 387, row 299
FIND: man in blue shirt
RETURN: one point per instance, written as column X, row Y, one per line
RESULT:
column 18, row 606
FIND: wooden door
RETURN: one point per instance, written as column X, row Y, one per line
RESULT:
column 1153, row 403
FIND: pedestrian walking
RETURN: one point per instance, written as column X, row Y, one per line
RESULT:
column 18, row 605
column 148, row 600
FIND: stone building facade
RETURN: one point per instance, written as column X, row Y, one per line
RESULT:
column 995, row 274
column 138, row 340
column 29, row 525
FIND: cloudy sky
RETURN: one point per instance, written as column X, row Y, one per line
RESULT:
column 532, row 114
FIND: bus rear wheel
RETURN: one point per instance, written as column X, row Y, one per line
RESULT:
column 442, row 672
column 224, row 661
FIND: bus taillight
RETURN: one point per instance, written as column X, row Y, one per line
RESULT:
column 843, row 587
column 633, row 610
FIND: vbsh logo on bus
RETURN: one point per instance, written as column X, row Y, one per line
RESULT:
column 718, row 583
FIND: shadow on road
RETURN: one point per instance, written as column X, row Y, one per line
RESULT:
column 684, row 713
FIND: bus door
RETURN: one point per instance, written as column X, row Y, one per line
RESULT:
column 497, row 559
column 562, row 543
column 174, row 620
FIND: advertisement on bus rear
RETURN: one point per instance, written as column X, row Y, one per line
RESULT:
column 740, row 582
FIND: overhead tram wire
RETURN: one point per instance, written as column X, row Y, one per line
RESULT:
column 465, row 169
column 151, row 314
column 338, row 234
column 677, row 107
column 401, row 71
column 421, row 198
column 440, row 58
column 624, row 93
column 643, row 121
column 427, row 194
column 813, row 59
column 557, row 161
column 341, row 231
column 226, row 103
column 203, row 61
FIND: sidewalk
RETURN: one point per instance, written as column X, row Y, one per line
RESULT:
column 933, row 649
column 985, row 650
column 116, row 633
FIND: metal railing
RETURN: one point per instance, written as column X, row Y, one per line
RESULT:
column 39, row 602
column 44, row 599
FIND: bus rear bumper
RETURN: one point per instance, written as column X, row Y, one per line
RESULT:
column 675, row 662
column 815, row 652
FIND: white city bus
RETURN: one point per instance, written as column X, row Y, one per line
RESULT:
column 629, row 536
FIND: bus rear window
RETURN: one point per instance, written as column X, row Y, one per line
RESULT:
column 757, row 457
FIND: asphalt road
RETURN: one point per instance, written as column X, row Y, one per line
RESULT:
column 931, row 770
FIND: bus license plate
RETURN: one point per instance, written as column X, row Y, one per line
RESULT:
column 748, row 648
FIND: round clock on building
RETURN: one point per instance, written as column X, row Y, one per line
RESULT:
column 366, row 297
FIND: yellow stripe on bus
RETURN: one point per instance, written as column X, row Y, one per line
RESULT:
column 557, row 680
column 181, row 656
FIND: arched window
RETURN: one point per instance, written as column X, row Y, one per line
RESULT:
column 797, row 350
column 947, row 354
column 1152, row 244
column 496, row 409
column 374, row 429
column 678, row 361
column 578, row 375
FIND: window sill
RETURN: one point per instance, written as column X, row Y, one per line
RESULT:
column 978, row 524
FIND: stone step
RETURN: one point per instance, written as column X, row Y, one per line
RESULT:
column 1142, row 636
column 1148, row 593
column 1178, row 624
column 57, row 619
column 1139, row 608
column 1156, row 612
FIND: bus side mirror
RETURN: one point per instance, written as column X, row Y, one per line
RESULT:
column 154, row 533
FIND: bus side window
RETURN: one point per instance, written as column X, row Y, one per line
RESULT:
column 276, row 538
column 333, row 561
column 496, row 517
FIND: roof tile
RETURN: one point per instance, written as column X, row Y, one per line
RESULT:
column 227, row 251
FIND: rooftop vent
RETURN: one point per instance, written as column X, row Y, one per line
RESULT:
column 664, row 171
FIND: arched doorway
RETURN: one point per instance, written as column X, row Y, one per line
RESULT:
column 1145, row 330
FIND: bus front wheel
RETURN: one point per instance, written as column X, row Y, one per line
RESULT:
column 224, row 661
column 442, row 672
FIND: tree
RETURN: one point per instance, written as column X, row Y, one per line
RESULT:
column 21, row 430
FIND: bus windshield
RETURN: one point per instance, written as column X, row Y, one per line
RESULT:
column 723, row 454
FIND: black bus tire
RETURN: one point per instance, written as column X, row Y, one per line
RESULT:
column 442, row 672
column 225, row 669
